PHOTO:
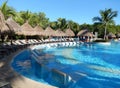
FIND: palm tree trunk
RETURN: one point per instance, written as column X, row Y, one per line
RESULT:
column 105, row 32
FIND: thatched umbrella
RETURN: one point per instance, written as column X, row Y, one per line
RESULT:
column 88, row 34
column 27, row 30
column 59, row 33
column 85, row 35
column 38, row 30
column 69, row 32
column 49, row 31
column 118, row 35
column 3, row 26
column 80, row 33
column 111, row 35
column 13, row 25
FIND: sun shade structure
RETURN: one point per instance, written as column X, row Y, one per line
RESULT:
column 27, row 30
column 85, row 35
column 118, row 35
column 111, row 35
column 3, row 26
column 13, row 25
column 88, row 34
column 39, row 30
column 49, row 31
column 59, row 33
column 82, row 32
column 69, row 32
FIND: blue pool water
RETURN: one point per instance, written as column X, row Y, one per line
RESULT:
column 83, row 66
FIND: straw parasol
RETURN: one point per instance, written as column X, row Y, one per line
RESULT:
column 13, row 25
column 49, row 31
column 59, row 33
column 80, row 33
column 27, row 30
column 111, row 35
column 88, row 34
column 118, row 35
column 3, row 26
column 69, row 32
column 38, row 30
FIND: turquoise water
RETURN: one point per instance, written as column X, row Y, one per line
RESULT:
column 87, row 65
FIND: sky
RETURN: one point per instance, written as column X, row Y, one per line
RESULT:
column 80, row 11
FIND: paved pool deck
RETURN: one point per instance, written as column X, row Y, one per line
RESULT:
column 16, row 80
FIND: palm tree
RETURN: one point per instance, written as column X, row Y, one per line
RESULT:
column 25, row 15
column 7, row 11
column 61, row 23
column 18, row 19
column 43, row 21
column 106, row 18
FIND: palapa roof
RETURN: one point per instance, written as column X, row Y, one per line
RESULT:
column 85, row 32
column 38, row 30
column 82, row 32
column 111, row 35
column 13, row 25
column 89, row 34
column 69, row 32
column 27, row 30
column 117, row 34
column 49, row 31
column 3, row 26
column 58, row 32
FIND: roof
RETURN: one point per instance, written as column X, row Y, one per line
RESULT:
column 3, row 26
column 58, row 32
column 13, row 25
column 27, row 30
column 80, row 33
column 69, row 32
column 38, row 30
column 49, row 31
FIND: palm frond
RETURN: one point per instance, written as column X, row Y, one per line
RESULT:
column 97, row 19
column 112, row 15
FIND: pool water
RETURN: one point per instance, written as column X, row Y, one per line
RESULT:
column 86, row 65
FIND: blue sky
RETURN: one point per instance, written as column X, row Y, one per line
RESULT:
column 80, row 11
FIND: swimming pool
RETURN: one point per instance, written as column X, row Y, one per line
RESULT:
column 78, row 66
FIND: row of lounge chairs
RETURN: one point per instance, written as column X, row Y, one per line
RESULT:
column 8, row 48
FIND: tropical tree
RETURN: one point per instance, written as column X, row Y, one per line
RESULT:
column 70, row 24
column 76, row 28
column 34, row 20
column 118, row 28
column 7, row 10
column 106, row 18
column 73, row 26
column 43, row 21
column 97, row 27
column 25, row 15
column 38, row 19
column 19, row 19
column 54, row 25
column 61, row 23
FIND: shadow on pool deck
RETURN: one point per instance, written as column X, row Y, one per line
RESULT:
column 16, row 80
column 6, row 71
